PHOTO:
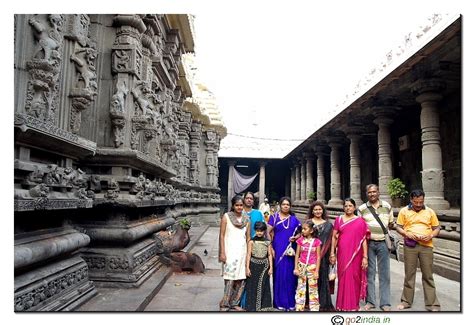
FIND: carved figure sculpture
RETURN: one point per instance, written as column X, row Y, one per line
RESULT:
column 117, row 104
column 95, row 185
column 85, row 65
column 139, row 94
column 48, row 44
column 69, row 176
column 40, row 190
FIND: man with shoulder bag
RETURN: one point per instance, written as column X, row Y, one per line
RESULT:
column 378, row 215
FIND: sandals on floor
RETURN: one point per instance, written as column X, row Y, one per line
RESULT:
column 403, row 305
column 368, row 307
column 386, row 308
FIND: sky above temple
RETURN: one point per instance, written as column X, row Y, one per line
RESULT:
column 281, row 72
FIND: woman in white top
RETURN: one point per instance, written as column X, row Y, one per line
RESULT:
column 233, row 237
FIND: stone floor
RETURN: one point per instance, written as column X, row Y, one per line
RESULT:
column 202, row 292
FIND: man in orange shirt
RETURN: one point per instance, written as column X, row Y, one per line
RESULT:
column 418, row 224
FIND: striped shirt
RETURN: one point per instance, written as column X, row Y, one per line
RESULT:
column 385, row 215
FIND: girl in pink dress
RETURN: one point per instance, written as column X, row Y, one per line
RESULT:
column 307, row 261
column 349, row 243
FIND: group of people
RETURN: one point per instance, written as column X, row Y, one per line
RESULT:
column 303, row 256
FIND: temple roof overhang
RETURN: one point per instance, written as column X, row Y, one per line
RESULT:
column 435, row 54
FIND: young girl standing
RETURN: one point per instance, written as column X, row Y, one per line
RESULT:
column 233, row 236
column 307, row 262
column 259, row 269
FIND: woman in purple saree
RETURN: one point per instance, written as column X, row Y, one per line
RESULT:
column 282, row 227
column 349, row 240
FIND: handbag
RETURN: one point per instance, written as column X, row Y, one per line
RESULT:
column 408, row 242
column 390, row 240
column 332, row 272
column 289, row 251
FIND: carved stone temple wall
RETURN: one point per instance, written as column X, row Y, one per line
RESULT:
column 109, row 150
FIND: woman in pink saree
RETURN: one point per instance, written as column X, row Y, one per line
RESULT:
column 349, row 242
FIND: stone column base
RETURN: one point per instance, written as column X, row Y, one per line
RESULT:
column 59, row 286
column 125, row 267
column 336, row 202
column 436, row 203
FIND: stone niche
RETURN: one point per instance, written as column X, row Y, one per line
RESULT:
column 105, row 154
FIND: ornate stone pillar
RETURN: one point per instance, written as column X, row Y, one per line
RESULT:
column 303, row 179
column 428, row 95
column 84, row 57
column 309, row 156
column 298, row 181
column 354, row 162
column 293, row 183
column 210, row 144
column 194, row 150
column 384, row 119
column 335, row 144
column 183, row 145
column 216, row 161
column 126, row 65
column 230, row 183
column 321, row 187
column 261, row 183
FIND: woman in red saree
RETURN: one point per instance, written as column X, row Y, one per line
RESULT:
column 349, row 242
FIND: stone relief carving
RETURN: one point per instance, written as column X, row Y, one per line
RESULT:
column 432, row 179
column 127, row 59
column 113, row 190
column 40, row 190
column 211, row 136
column 117, row 263
column 94, row 183
column 147, row 116
column 195, row 139
column 117, row 113
column 24, row 122
column 211, row 162
column 210, row 167
column 121, row 60
column 95, row 262
column 44, row 180
column 78, row 28
column 54, row 175
column 84, row 61
column 33, row 178
column 169, row 139
column 49, row 41
column 86, row 84
column 139, row 187
column 42, row 97
column 50, row 290
column 117, row 104
column 146, row 189
column 145, row 256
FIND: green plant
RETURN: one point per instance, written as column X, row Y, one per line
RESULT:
column 396, row 188
column 184, row 223
column 311, row 195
